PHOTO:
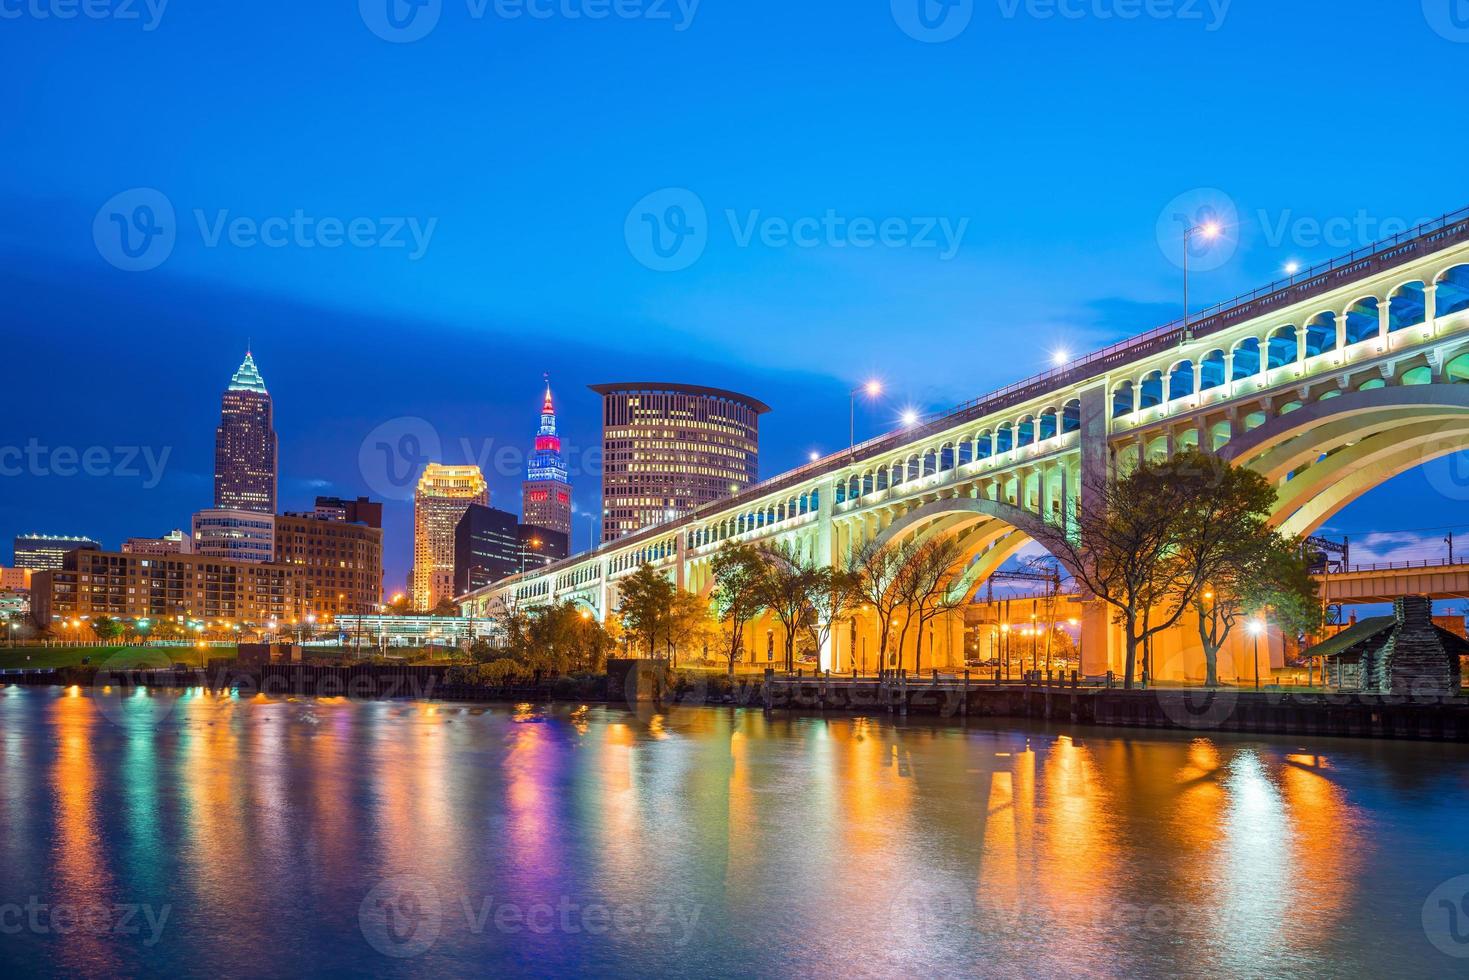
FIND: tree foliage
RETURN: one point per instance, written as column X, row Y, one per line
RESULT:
column 738, row 571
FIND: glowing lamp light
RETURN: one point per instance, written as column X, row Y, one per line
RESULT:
column 1255, row 627
column 1060, row 357
column 872, row 388
column 910, row 417
column 813, row 455
column 1291, row 268
column 1211, row 229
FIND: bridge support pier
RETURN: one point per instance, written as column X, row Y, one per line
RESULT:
column 1096, row 638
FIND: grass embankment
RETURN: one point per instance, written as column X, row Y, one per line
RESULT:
column 117, row 657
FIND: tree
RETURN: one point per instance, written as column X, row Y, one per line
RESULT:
column 445, row 607
column 926, row 586
column 1153, row 536
column 787, row 587
column 106, row 628
column 879, row 569
column 646, row 598
column 738, row 570
column 836, row 594
column 688, row 622
column 1266, row 571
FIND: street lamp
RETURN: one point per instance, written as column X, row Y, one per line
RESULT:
column 871, row 389
column 1210, row 230
column 909, row 417
column 1255, row 628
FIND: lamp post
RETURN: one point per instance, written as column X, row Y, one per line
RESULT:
column 1209, row 230
column 871, row 389
column 1256, row 628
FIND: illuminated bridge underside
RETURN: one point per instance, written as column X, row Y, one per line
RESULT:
column 1329, row 386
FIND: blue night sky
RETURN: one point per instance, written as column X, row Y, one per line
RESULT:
column 1059, row 144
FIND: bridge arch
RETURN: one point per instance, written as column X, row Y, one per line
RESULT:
column 957, row 515
column 1324, row 455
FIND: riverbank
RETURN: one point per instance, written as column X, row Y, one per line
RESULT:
column 1222, row 710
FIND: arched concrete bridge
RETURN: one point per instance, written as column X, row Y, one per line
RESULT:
column 1329, row 383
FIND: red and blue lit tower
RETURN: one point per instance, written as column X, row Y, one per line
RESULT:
column 546, row 492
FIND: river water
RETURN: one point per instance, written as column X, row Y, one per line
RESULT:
column 200, row 834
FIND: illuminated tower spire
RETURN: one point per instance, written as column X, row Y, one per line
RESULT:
column 546, row 492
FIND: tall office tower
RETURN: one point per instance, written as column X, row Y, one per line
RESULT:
column 668, row 449
column 245, row 452
column 443, row 495
column 37, row 552
column 546, row 493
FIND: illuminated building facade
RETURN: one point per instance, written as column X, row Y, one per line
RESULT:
column 124, row 586
column 234, row 534
column 670, row 448
column 442, row 496
column 175, row 542
column 491, row 544
column 339, row 563
column 245, row 451
column 546, row 492
column 38, row 552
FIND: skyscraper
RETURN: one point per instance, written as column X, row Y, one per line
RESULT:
column 245, row 445
column 670, row 448
column 443, row 495
column 546, row 492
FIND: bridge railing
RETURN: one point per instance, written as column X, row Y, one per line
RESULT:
column 1400, row 566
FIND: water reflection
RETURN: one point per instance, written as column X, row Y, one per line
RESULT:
column 789, row 845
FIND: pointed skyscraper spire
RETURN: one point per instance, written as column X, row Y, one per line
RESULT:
column 247, row 377
column 547, row 408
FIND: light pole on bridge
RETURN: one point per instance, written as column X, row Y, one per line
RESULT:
column 1209, row 230
column 871, row 389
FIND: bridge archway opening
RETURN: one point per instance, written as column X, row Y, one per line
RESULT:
column 1151, row 394
column 1320, row 334
column 1421, row 375
column 1453, row 291
column 1363, row 320
column 1406, row 307
column 1071, row 416
column 1122, row 399
column 1246, row 359
column 1456, row 371
column 1046, row 426
column 1211, row 370
column 1181, row 380
column 1004, row 438
column 1282, row 348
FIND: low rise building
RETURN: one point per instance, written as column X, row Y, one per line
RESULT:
column 237, row 535
column 175, row 542
column 36, row 552
column 339, row 563
column 195, row 587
